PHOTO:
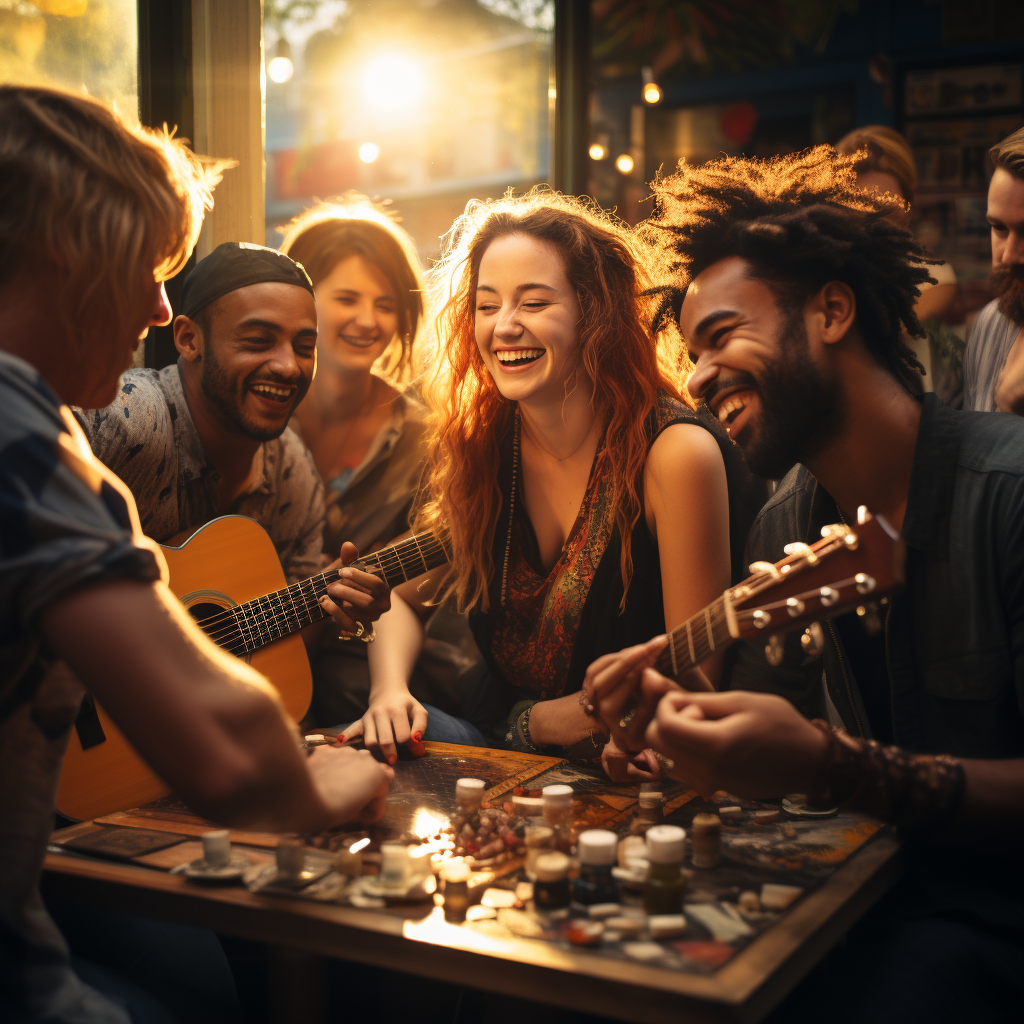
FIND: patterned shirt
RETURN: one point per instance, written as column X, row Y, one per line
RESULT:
column 65, row 522
column 148, row 438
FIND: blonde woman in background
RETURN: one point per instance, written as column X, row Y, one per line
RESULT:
column 359, row 421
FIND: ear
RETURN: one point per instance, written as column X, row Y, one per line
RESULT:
column 188, row 339
column 834, row 309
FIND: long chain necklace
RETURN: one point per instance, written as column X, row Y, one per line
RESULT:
column 511, row 508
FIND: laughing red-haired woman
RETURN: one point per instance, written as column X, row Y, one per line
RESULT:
column 584, row 501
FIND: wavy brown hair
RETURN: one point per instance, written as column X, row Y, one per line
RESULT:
column 607, row 265
column 104, row 200
column 353, row 225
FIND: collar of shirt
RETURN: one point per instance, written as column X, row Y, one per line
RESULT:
column 384, row 442
column 926, row 524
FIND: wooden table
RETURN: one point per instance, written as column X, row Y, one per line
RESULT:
column 417, row 940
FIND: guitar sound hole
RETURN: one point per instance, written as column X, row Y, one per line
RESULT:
column 206, row 610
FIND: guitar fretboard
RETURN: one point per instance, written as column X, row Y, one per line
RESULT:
column 248, row 627
column 695, row 640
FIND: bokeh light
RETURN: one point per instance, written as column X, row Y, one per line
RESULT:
column 624, row 163
column 597, row 151
column 368, row 152
column 392, row 82
column 280, row 70
column 652, row 93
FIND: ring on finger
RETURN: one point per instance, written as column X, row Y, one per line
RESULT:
column 627, row 718
column 585, row 703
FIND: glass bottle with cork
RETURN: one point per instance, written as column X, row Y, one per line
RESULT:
column 597, row 849
column 665, row 886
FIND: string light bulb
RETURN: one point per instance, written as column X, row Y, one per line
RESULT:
column 597, row 151
column 652, row 91
column 280, row 68
column 624, row 164
column 368, row 152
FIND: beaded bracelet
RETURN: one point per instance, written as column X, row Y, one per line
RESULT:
column 914, row 791
column 518, row 736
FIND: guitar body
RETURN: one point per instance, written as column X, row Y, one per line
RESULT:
column 228, row 561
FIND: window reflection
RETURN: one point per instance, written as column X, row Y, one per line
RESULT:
column 425, row 103
column 76, row 44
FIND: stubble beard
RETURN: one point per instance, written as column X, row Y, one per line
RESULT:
column 1008, row 285
column 217, row 387
column 801, row 409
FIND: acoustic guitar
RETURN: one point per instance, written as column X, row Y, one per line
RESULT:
column 849, row 568
column 229, row 577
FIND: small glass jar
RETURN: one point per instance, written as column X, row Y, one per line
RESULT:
column 469, row 794
column 665, row 886
column 597, row 849
column 652, row 808
column 558, row 814
column 551, row 889
column 455, row 875
column 706, row 840
column 539, row 839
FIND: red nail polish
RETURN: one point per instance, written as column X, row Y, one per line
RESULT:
column 340, row 737
column 416, row 737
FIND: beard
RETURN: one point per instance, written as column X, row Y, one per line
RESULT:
column 801, row 408
column 1008, row 285
column 219, row 388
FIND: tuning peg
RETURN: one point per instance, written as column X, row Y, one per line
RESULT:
column 842, row 532
column 760, row 618
column 755, row 567
column 829, row 596
column 794, row 606
column 773, row 650
column 813, row 640
column 802, row 550
column 865, row 583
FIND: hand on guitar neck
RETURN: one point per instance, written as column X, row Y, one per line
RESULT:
column 358, row 598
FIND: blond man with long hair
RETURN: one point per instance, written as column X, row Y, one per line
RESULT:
column 568, row 473
column 94, row 215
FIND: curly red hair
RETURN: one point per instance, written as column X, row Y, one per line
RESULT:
column 608, row 266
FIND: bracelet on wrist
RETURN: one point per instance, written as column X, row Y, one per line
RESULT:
column 518, row 735
column 922, row 792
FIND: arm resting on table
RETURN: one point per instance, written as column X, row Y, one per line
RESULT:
column 209, row 725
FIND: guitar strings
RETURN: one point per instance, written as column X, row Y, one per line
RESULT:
column 318, row 584
column 226, row 626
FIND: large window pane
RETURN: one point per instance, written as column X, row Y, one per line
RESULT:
column 78, row 44
column 422, row 102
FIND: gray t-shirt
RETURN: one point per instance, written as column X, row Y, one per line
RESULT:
column 990, row 342
column 148, row 438
column 65, row 522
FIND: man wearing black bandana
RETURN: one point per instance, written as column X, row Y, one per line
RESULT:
column 208, row 436
column 994, row 358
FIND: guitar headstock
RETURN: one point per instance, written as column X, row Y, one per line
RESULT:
column 848, row 567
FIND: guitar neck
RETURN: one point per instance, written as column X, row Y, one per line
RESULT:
column 248, row 627
column 695, row 640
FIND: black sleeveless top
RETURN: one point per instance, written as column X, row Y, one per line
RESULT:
column 601, row 626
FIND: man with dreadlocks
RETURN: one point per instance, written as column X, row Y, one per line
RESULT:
column 795, row 290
